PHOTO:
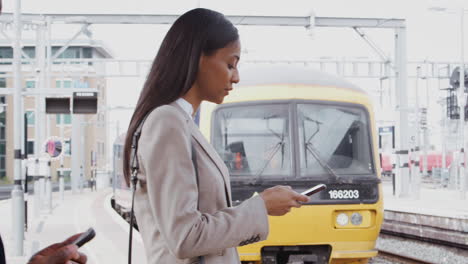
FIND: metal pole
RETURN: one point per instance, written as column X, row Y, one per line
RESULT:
column 37, row 195
column 49, row 188
column 83, row 154
column 48, row 179
column 426, row 127
column 415, row 172
column 25, row 158
column 403, row 176
column 17, row 195
column 61, row 179
column 41, row 85
column 76, row 152
column 444, row 171
column 462, row 110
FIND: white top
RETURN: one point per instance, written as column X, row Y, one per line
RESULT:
column 186, row 106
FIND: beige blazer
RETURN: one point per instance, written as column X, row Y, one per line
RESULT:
column 172, row 228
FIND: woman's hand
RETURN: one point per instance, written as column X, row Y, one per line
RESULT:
column 279, row 200
column 59, row 253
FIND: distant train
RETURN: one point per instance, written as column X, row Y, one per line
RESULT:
column 434, row 160
column 295, row 126
column 121, row 200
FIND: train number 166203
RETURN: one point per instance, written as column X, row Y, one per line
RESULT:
column 344, row 194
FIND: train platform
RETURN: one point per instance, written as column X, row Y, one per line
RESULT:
column 438, row 215
column 431, row 201
column 76, row 213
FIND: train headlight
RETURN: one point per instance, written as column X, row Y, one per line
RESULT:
column 342, row 219
column 356, row 219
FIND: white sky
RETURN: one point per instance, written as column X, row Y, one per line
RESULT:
column 431, row 35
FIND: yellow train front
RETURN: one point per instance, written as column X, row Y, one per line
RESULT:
column 286, row 125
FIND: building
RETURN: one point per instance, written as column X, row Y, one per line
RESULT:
column 73, row 69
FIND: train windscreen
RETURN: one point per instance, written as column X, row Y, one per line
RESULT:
column 298, row 143
column 254, row 140
column 333, row 140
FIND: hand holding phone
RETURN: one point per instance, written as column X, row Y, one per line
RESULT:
column 85, row 237
column 317, row 188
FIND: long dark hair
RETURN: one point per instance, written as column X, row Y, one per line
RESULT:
column 198, row 32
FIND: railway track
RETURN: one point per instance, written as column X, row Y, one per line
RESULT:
column 401, row 249
column 425, row 239
column 401, row 258
column 434, row 230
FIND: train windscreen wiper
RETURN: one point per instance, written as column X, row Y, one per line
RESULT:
column 311, row 148
column 276, row 148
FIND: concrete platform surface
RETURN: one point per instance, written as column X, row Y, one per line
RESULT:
column 76, row 213
column 436, row 202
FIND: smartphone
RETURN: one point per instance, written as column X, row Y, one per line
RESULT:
column 317, row 188
column 85, row 237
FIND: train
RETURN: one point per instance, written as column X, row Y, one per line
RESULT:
column 296, row 126
column 434, row 160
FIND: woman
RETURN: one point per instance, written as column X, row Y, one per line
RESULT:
column 182, row 206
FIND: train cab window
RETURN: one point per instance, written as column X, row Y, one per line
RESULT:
column 335, row 137
column 254, row 140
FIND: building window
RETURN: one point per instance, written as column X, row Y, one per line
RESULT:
column 65, row 119
column 30, row 117
column 2, row 148
column 30, row 84
column 3, row 83
column 80, row 84
column 3, row 118
column 2, row 166
column 30, row 147
column 2, row 133
column 66, row 175
column 67, row 147
column 63, row 84
column 87, row 53
column 69, row 53
column 67, row 83
column 30, row 51
column 6, row 53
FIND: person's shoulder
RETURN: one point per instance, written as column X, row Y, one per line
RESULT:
column 166, row 114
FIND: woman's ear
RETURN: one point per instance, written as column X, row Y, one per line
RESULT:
column 201, row 61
